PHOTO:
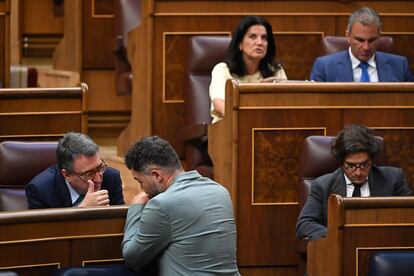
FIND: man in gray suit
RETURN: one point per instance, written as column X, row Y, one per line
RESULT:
column 354, row 147
column 183, row 219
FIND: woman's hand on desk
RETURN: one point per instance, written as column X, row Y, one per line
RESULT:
column 271, row 79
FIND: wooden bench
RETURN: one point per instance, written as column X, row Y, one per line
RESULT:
column 357, row 229
column 36, row 242
column 42, row 113
column 256, row 152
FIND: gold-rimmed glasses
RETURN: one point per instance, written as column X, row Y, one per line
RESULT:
column 89, row 175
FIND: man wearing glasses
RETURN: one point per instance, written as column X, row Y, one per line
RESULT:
column 79, row 179
column 354, row 147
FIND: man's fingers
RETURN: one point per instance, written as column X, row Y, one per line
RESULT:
column 91, row 187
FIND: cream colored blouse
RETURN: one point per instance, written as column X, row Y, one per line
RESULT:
column 221, row 74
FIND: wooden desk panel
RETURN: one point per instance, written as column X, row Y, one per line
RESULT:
column 256, row 151
column 42, row 113
column 357, row 229
column 38, row 241
column 159, row 58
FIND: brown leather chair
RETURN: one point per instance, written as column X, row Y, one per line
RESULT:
column 333, row 44
column 317, row 160
column 19, row 163
column 203, row 54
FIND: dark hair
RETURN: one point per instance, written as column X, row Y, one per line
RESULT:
column 354, row 139
column 234, row 57
column 366, row 16
column 149, row 151
column 74, row 144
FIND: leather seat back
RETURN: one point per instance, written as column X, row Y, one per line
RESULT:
column 19, row 163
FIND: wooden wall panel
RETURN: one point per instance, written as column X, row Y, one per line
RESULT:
column 404, row 45
column 44, row 22
column 272, row 182
column 3, row 53
column 98, row 40
column 397, row 128
column 101, row 83
column 298, row 27
column 173, row 57
column 399, row 152
column 297, row 67
column 270, row 145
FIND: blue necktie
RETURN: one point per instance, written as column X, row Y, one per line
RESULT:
column 364, row 75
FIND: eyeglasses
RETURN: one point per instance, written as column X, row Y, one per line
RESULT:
column 89, row 175
column 352, row 167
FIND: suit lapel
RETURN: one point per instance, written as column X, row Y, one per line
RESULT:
column 339, row 186
column 383, row 67
column 375, row 190
column 344, row 68
column 63, row 191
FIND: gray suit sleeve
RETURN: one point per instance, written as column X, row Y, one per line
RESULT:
column 310, row 221
column 147, row 233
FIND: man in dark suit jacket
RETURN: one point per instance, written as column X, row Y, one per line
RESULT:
column 79, row 179
column 363, row 33
column 354, row 147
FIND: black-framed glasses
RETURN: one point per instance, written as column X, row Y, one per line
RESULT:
column 352, row 167
column 89, row 175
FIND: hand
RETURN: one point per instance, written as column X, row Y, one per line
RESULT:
column 93, row 199
column 141, row 198
column 271, row 79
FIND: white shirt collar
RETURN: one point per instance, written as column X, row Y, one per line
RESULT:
column 355, row 62
column 349, row 182
column 73, row 194
column 365, row 192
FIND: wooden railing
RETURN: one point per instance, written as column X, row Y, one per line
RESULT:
column 36, row 242
column 256, row 148
column 42, row 113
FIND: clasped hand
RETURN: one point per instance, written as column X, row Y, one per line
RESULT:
column 93, row 199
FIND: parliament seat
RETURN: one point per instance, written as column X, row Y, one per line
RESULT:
column 333, row 44
column 392, row 263
column 317, row 160
column 203, row 54
column 19, row 163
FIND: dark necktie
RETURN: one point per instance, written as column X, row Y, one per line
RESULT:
column 78, row 201
column 357, row 190
column 364, row 75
